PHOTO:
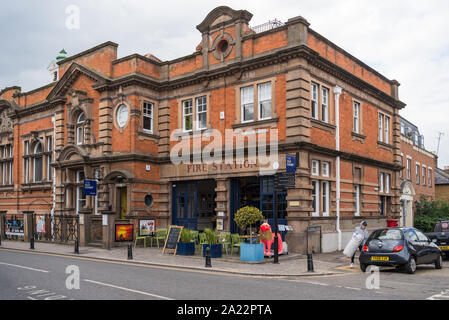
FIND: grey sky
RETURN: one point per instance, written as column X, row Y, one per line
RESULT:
column 403, row 40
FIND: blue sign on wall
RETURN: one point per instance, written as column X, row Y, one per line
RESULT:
column 291, row 163
column 90, row 187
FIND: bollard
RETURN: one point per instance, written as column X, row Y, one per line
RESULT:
column 310, row 263
column 130, row 251
column 0, row 239
column 77, row 247
column 32, row 242
column 208, row 259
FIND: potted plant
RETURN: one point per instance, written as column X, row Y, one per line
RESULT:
column 213, row 244
column 185, row 245
column 247, row 216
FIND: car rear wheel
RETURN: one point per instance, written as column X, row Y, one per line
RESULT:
column 439, row 262
column 410, row 266
column 363, row 267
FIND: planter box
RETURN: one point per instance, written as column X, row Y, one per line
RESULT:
column 251, row 252
column 215, row 250
column 186, row 249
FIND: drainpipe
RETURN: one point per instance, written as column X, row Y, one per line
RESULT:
column 337, row 92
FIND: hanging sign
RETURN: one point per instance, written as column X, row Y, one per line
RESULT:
column 90, row 187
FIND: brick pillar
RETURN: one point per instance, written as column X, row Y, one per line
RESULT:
column 2, row 224
column 28, row 225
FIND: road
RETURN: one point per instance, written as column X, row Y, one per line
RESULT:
column 34, row 276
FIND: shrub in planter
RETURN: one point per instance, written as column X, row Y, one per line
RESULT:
column 215, row 247
column 185, row 246
column 247, row 216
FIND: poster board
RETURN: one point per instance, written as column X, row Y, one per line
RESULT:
column 173, row 236
column 146, row 227
column 124, row 232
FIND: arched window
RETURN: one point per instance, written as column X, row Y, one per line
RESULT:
column 80, row 123
column 37, row 162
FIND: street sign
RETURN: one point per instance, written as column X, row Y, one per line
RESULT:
column 285, row 180
column 90, row 187
column 290, row 163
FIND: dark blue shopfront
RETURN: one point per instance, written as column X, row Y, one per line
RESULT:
column 193, row 203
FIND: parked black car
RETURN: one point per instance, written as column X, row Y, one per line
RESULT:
column 440, row 236
column 403, row 248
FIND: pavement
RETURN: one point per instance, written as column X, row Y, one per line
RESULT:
column 291, row 265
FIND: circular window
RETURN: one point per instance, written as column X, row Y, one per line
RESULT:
column 148, row 200
column 223, row 46
column 122, row 115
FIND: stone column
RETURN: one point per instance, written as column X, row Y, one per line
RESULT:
column 28, row 225
column 2, row 224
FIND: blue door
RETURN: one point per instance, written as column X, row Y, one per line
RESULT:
column 268, row 205
column 185, row 205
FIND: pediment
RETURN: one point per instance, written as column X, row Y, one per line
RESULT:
column 221, row 15
column 71, row 76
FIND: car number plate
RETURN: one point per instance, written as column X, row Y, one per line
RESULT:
column 380, row 258
column 444, row 247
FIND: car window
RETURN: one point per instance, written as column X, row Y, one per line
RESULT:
column 411, row 235
column 421, row 236
column 387, row 234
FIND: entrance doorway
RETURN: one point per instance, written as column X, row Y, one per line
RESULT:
column 122, row 202
column 258, row 192
column 193, row 205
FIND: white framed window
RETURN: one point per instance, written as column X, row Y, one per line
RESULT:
column 27, row 162
column 37, row 162
column 424, row 180
column 381, row 127
column 387, row 130
column 264, row 100
column 409, row 168
column 325, row 104
column 387, row 183
column 356, row 117
column 316, row 198
column 97, row 176
column 148, row 114
column 325, row 169
column 315, row 168
column 49, row 158
column 80, row 196
column 247, row 104
column 418, row 173
column 357, row 200
column 201, row 113
column 430, row 177
column 381, row 182
column 11, row 156
column 325, row 197
column 4, row 165
column 80, row 122
column 314, row 99
column 187, row 115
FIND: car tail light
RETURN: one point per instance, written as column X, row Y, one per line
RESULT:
column 398, row 248
column 365, row 249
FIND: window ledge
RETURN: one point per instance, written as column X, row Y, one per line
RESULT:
column 258, row 123
column 358, row 137
column 323, row 125
column 148, row 134
column 384, row 145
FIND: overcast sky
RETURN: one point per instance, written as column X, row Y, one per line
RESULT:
column 403, row 40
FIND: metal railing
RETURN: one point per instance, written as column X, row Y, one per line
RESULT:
column 272, row 24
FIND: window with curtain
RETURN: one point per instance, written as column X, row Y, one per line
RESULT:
column 247, row 103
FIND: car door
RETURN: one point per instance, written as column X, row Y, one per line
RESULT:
column 429, row 253
column 413, row 239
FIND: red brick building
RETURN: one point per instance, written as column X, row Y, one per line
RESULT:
column 110, row 119
column 418, row 175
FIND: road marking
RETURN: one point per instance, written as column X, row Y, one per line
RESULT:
column 130, row 290
column 28, row 268
column 31, row 298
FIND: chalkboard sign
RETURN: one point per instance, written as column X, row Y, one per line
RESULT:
column 171, row 242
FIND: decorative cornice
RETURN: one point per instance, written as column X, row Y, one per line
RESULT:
column 235, row 15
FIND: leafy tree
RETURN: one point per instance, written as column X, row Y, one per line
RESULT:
column 247, row 216
column 428, row 212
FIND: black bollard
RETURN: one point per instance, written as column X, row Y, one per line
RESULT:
column 77, row 247
column 32, row 242
column 130, row 251
column 0, row 239
column 208, row 259
column 310, row 263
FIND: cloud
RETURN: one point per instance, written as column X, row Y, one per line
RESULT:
column 403, row 40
